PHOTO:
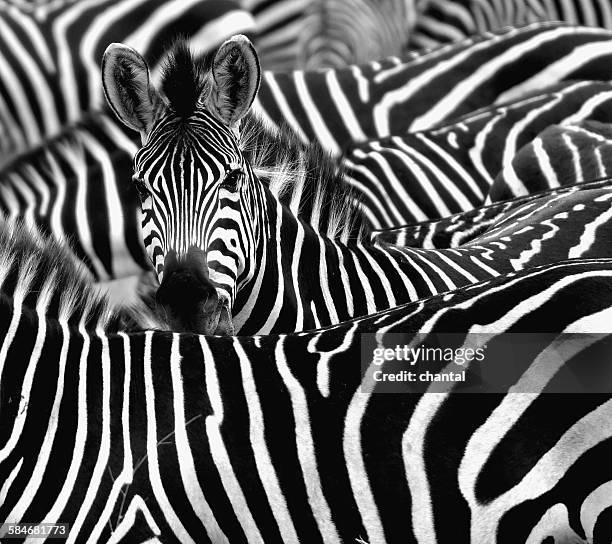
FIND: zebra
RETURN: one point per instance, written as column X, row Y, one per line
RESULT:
column 187, row 438
column 358, row 103
column 392, row 96
column 336, row 33
column 73, row 187
column 458, row 59
column 113, row 248
column 122, row 254
column 220, row 239
column 339, row 33
column 442, row 21
column 47, row 186
column 462, row 228
column 576, row 151
column 314, row 35
column 28, row 185
column 50, row 51
column 451, row 168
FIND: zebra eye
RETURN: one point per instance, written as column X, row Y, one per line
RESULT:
column 231, row 182
column 141, row 188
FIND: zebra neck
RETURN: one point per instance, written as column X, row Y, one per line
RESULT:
column 316, row 281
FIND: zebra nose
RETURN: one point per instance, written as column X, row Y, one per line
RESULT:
column 188, row 298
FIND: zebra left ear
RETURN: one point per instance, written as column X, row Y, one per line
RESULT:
column 236, row 74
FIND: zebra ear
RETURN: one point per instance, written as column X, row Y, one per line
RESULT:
column 236, row 74
column 127, row 87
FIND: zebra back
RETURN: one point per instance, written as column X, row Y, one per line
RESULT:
column 393, row 96
column 451, row 168
column 211, row 439
column 461, row 228
column 574, row 152
column 442, row 21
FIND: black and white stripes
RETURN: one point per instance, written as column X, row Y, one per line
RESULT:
column 185, row 438
column 221, row 239
column 50, row 54
column 442, row 21
column 394, row 96
column 76, row 187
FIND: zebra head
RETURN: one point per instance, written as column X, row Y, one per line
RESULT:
column 199, row 197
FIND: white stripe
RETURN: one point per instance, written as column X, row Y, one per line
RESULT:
column 44, row 95
column 444, row 107
column 589, row 233
column 280, row 294
column 122, row 261
column 70, row 481
column 562, row 68
column 157, row 485
column 184, row 451
column 322, row 133
column 355, row 464
column 283, row 106
column 263, row 462
column 74, row 154
column 137, row 504
column 344, row 107
column 545, row 164
column 102, row 461
column 306, row 449
column 219, row 452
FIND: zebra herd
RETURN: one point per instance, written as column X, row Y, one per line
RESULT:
column 278, row 227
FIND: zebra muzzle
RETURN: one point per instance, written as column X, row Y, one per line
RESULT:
column 189, row 300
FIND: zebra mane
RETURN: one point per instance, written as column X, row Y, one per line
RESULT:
column 304, row 178
column 184, row 77
column 37, row 270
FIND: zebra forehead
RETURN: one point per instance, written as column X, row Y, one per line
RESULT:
column 197, row 143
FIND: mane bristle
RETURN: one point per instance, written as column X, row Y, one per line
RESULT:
column 306, row 179
column 184, row 78
column 39, row 272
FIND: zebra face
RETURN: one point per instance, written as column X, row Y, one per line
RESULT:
column 200, row 200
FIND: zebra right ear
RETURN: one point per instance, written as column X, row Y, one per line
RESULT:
column 127, row 86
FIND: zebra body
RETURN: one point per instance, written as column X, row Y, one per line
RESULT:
column 219, row 238
column 184, row 438
column 338, row 33
column 451, row 168
column 456, row 230
column 50, row 52
column 359, row 279
column 354, row 104
column 110, row 245
column 442, row 21
column 322, row 34
column 74, row 187
column 47, row 186
column 341, row 107
column 562, row 154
